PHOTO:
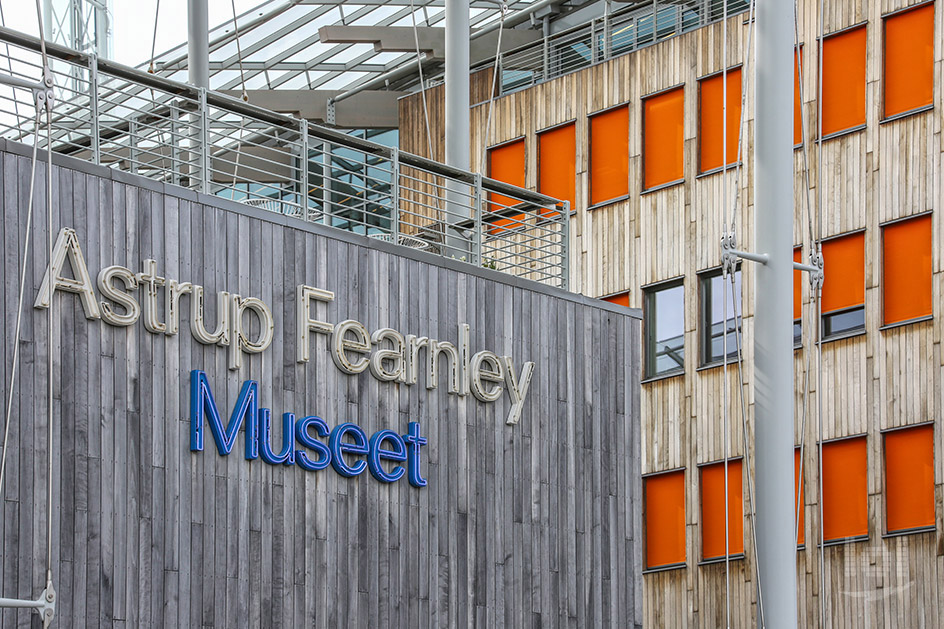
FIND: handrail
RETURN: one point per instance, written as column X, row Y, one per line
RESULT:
column 131, row 120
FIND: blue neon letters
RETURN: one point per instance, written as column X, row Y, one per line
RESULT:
column 346, row 443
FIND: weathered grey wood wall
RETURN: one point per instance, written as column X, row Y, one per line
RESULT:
column 528, row 525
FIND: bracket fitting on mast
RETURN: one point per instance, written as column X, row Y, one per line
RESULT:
column 45, row 605
column 729, row 258
column 817, row 275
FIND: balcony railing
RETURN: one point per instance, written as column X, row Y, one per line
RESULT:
column 610, row 35
column 130, row 120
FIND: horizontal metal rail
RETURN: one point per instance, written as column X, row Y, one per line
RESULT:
column 607, row 36
column 130, row 120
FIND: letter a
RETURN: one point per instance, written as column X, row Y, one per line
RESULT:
column 68, row 243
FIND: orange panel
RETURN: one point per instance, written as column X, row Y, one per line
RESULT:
column 845, row 489
column 711, row 129
column 557, row 155
column 797, row 117
column 665, row 519
column 909, row 60
column 798, row 498
column 506, row 163
column 712, row 511
column 844, row 81
column 909, row 478
column 622, row 299
column 844, row 259
column 664, row 138
column 797, row 286
column 906, row 269
column 609, row 155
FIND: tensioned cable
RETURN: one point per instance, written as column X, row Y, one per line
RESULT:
column 744, row 74
column 747, row 458
column 157, row 12
column 19, row 301
column 819, row 316
column 724, row 298
column 496, row 70
column 419, row 67
column 730, row 230
column 52, row 302
column 239, row 52
column 42, row 36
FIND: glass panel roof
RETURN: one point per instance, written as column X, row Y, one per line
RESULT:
column 281, row 48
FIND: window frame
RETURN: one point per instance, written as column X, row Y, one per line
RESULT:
column 840, row 541
column 537, row 138
column 798, row 55
column 704, row 326
column 913, row 530
column 645, row 534
column 897, row 324
column 731, row 165
column 701, row 503
column 922, row 108
column 826, row 317
column 590, row 204
column 821, row 81
column 669, row 184
column 648, row 291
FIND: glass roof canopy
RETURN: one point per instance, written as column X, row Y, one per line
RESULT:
column 281, row 49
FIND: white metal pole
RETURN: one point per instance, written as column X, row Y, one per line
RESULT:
column 457, row 122
column 198, row 43
column 457, row 83
column 773, row 326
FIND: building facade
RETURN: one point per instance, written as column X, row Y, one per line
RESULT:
column 258, row 421
column 636, row 142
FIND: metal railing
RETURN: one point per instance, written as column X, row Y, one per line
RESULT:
column 130, row 120
column 605, row 37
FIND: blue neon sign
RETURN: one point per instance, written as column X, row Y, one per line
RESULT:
column 347, row 442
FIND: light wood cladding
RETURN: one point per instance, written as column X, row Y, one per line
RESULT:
column 877, row 380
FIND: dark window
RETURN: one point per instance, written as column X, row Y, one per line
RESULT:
column 712, row 315
column 665, row 328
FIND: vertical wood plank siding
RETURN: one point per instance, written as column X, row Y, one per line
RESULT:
column 533, row 524
column 881, row 379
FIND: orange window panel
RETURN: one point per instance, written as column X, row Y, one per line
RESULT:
column 797, row 114
column 506, row 163
column 798, row 497
column 909, row 478
column 712, row 510
column 665, row 519
column 844, row 80
column 797, row 285
column 622, row 299
column 844, row 259
column 711, row 131
column 909, row 60
column 609, row 155
column 663, row 138
column 845, row 489
column 906, row 270
column 557, row 162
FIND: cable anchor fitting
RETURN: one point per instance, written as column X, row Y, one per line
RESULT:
column 729, row 256
column 818, row 277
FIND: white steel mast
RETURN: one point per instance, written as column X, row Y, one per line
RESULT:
column 773, row 314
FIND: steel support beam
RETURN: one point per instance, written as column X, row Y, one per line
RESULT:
column 198, row 43
column 773, row 315
column 373, row 109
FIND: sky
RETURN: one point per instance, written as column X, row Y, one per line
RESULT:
column 133, row 23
